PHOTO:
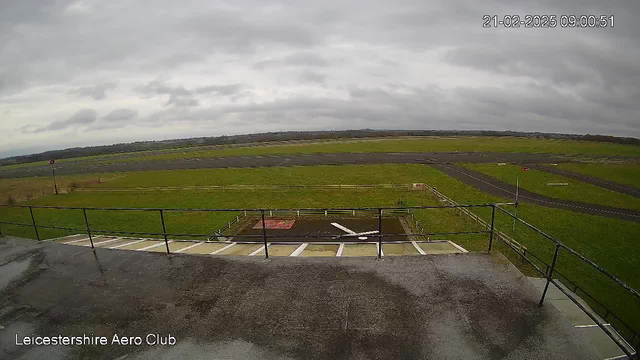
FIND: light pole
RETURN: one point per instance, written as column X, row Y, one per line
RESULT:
column 53, row 170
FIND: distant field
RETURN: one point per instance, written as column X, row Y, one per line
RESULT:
column 30, row 188
column 623, row 174
column 404, row 144
column 536, row 181
column 462, row 144
column 610, row 243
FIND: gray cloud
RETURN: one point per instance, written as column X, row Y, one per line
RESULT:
column 80, row 118
column 307, row 59
column 96, row 92
column 299, row 65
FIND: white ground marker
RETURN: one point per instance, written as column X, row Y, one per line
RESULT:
column 340, row 250
column 418, row 248
column 299, row 250
column 105, row 242
column 457, row 246
column 126, row 244
column 154, row 245
column 222, row 249
column 75, row 241
column 189, row 247
column 261, row 248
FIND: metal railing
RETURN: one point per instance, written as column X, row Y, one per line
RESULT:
column 209, row 188
column 550, row 271
column 376, row 212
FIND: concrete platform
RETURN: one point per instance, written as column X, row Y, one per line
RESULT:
column 582, row 323
column 462, row 306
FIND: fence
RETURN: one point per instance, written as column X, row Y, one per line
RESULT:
column 379, row 212
column 223, row 188
column 549, row 270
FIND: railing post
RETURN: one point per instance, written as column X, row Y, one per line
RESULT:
column 379, row 233
column 550, row 275
column 493, row 228
column 264, row 236
column 164, row 231
column 33, row 220
column 86, row 222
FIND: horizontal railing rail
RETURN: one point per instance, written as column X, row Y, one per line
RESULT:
column 248, row 187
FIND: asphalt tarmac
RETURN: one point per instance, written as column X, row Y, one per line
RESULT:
column 463, row 306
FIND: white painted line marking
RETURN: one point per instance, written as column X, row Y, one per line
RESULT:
column 154, row 245
column 418, row 248
column 126, row 244
column 222, row 249
column 261, row 248
column 299, row 250
column 379, row 250
column 189, row 247
column 457, row 246
column 340, row 249
column 591, row 325
column 75, row 241
column 619, row 357
column 348, row 231
column 105, row 242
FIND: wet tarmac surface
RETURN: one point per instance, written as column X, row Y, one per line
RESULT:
column 465, row 306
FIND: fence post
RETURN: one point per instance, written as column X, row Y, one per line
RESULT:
column 493, row 228
column 33, row 220
column 264, row 236
column 86, row 222
column 379, row 233
column 164, row 231
column 550, row 275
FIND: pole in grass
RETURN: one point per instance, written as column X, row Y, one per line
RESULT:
column 53, row 171
column 86, row 222
column 164, row 231
column 264, row 236
column 550, row 274
column 379, row 233
column 516, row 205
column 33, row 220
column 493, row 221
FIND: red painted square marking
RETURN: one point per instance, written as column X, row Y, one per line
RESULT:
column 275, row 224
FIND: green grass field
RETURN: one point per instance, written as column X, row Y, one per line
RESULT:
column 404, row 144
column 611, row 243
column 430, row 144
column 623, row 174
column 536, row 181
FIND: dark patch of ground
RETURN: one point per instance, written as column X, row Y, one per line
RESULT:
column 471, row 306
column 497, row 187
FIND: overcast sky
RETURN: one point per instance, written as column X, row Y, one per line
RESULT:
column 76, row 73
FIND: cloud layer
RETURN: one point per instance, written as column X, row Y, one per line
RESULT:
column 117, row 71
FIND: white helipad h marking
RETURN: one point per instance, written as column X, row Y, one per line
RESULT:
column 261, row 248
column 127, row 244
column 591, row 325
column 222, row 249
column 154, row 245
column 189, row 247
column 75, row 241
column 418, row 248
column 299, row 250
column 457, row 246
column 105, row 242
column 340, row 249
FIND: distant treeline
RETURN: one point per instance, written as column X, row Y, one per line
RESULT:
column 288, row 136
